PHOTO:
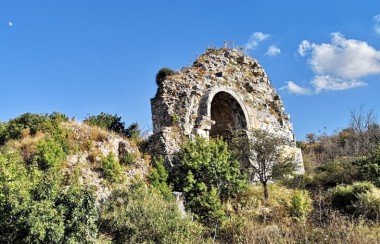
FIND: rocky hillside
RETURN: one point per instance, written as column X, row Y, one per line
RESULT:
column 63, row 181
column 91, row 145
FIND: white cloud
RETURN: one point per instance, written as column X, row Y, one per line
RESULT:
column 294, row 88
column 304, row 47
column 255, row 39
column 340, row 64
column 376, row 27
column 328, row 83
column 10, row 23
column 273, row 50
column 345, row 58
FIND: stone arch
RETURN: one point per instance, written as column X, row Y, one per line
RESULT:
column 225, row 108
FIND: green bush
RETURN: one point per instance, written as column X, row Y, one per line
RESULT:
column 133, row 131
column 368, row 204
column 345, row 197
column 49, row 153
column 337, row 172
column 113, row 171
column 159, row 178
column 301, row 205
column 162, row 74
column 107, row 121
column 36, row 206
column 27, row 123
column 369, row 167
column 81, row 215
column 140, row 215
column 208, row 175
column 129, row 158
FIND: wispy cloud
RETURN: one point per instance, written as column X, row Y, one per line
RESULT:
column 273, row 50
column 304, row 47
column 328, row 83
column 296, row 89
column 376, row 20
column 255, row 39
column 340, row 64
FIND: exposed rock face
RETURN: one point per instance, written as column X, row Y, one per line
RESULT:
column 224, row 88
column 93, row 144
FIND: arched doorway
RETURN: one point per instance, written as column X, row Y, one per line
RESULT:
column 227, row 114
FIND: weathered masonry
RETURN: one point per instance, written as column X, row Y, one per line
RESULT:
column 223, row 89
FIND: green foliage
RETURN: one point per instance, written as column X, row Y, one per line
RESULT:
column 368, row 204
column 29, row 124
column 113, row 171
column 266, row 151
column 58, row 117
column 159, row 178
column 162, row 74
column 128, row 158
column 133, row 131
column 301, row 205
column 35, row 206
column 345, row 197
column 81, row 214
column 107, row 121
column 336, row 172
column 206, row 205
column 114, row 123
column 140, row 215
column 49, row 153
column 208, row 174
column 369, row 167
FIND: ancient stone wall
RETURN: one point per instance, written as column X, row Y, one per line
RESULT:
column 223, row 88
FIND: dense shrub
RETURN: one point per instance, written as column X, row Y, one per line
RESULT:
column 107, row 121
column 159, row 178
column 140, row 215
column 162, row 74
column 113, row 171
column 208, row 175
column 345, row 197
column 26, row 124
column 49, row 153
column 337, row 172
column 36, row 207
column 133, row 131
column 368, row 204
column 369, row 166
column 301, row 205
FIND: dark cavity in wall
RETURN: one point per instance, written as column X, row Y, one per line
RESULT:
column 227, row 114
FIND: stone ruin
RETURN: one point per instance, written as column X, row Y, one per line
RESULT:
column 224, row 88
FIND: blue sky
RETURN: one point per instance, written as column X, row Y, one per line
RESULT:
column 91, row 56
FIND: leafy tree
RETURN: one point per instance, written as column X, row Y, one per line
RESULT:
column 208, row 174
column 265, row 154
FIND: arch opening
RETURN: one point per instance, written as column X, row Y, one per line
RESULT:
column 227, row 114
